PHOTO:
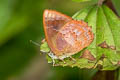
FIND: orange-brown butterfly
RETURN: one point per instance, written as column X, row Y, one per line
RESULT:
column 65, row 36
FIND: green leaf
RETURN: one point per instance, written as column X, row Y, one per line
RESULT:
column 114, row 25
column 106, row 35
column 106, row 28
column 82, row 14
column 107, row 65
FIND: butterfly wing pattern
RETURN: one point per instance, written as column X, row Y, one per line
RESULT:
column 64, row 35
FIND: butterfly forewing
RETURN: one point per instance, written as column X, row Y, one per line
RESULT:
column 53, row 21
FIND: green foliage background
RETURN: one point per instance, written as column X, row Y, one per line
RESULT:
column 20, row 22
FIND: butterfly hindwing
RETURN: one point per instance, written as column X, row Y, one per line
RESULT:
column 73, row 37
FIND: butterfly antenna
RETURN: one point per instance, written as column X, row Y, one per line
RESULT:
column 35, row 43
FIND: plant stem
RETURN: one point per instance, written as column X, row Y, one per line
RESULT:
column 100, row 2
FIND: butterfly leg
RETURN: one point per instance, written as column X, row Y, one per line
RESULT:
column 72, row 58
column 62, row 60
column 53, row 62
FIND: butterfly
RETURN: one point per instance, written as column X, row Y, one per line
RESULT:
column 64, row 35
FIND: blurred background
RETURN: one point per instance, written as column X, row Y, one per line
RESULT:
column 20, row 22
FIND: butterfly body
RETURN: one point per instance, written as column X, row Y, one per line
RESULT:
column 65, row 36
